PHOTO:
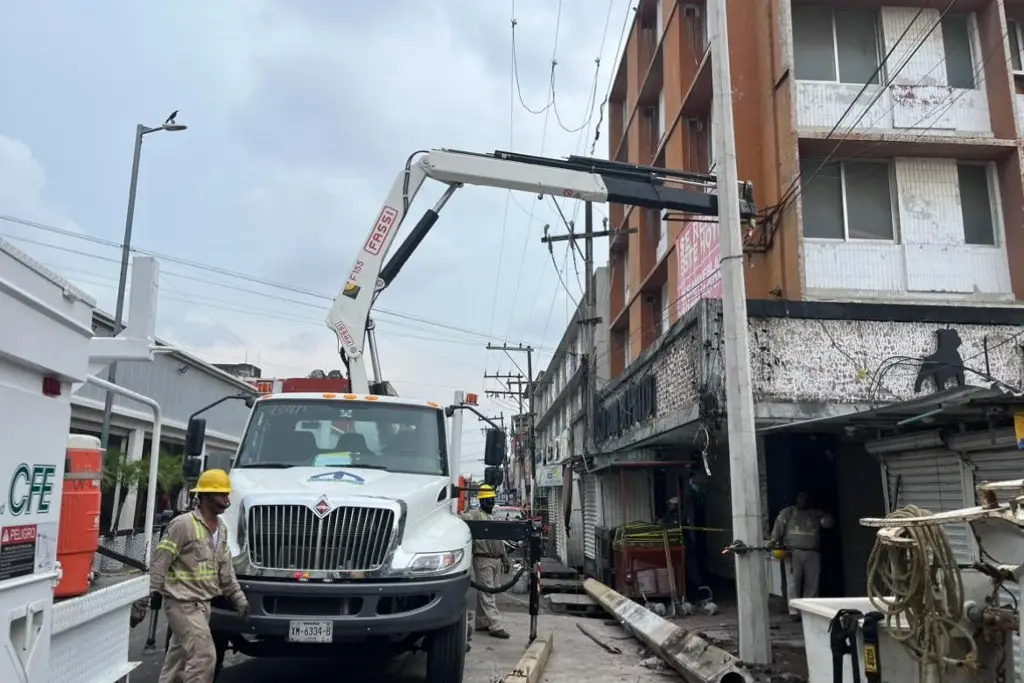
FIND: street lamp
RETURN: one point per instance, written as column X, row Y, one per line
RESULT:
column 171, row 126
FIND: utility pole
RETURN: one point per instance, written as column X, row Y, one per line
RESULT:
column 528, row 350
column 751, row 571
column 588, row 315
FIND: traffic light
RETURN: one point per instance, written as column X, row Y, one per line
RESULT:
column 494, row 476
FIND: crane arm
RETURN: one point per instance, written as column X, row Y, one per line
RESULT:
column 591, row 180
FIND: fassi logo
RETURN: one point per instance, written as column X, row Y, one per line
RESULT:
column 381, row 230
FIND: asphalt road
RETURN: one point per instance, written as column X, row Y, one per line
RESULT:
column 489, row 658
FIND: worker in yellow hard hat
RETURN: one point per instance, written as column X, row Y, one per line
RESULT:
column 488, row 558
column 191, row 567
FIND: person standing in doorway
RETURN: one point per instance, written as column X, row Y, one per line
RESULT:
column 798, row 528
column 191, row 567
column 488, row 559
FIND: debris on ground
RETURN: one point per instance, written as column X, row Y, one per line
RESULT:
column 610, row 648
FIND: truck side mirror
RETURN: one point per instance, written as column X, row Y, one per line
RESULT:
column 195, row 437
column 191, row 467
column 250, row 401
column 494, row 448
column 494, row 476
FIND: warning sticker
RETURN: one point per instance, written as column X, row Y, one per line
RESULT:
column 17, row 551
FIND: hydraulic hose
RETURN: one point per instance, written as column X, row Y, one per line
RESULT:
column 503, row 587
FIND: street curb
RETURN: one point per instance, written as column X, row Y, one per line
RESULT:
column 694, row 657
column 531, row 665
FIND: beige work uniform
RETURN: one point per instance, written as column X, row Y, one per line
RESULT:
column 191, row 567
column 487, row 557
column 800, row 531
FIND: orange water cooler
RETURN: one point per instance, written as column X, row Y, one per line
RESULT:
column 78, row 536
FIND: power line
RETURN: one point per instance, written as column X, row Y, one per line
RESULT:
column 216, row 270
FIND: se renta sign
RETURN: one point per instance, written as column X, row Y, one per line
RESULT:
column 699, row 251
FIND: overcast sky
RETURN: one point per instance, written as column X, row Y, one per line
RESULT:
column 300, row 114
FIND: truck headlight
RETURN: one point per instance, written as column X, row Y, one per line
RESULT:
column 432, row 563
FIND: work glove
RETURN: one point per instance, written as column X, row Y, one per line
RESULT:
column 156, row 601
column 244, row 611
column 506, row 566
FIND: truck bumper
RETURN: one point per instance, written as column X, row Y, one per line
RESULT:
column 358, row 610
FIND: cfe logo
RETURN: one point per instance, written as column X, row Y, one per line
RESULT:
column 30, row 489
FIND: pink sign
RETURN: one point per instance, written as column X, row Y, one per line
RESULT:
column 698, row 250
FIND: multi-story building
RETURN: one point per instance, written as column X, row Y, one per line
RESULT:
column 558, row 404
column 884, row 148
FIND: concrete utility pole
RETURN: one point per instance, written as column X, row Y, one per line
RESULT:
column 751, row 568
column 531, row 416
column 588, row 315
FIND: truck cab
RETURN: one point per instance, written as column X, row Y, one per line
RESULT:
column 342, row 531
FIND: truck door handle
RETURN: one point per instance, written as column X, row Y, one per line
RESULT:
column 23, row 629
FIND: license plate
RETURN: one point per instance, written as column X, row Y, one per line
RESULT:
column 310, row 632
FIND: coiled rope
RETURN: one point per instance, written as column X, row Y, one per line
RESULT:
column 920, row 590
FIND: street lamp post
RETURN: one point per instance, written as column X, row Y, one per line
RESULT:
column 126, row 247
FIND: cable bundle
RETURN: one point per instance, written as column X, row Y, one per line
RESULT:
column 921, row 592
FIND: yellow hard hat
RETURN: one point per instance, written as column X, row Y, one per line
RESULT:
column 213, row 481
column 486, row 491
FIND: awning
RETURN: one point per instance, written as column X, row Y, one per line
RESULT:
column 950, row 406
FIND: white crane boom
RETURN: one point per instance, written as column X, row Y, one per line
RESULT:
column 591, row 180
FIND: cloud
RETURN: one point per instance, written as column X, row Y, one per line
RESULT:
column 300, row 115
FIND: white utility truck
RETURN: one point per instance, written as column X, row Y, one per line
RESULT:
column 46, row 349
column 343, row 532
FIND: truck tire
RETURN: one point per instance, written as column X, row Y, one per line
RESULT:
column 446, row 653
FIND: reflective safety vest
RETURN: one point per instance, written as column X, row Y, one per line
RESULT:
column 187, row 564
column 799, row 529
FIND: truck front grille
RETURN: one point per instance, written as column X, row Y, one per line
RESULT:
column 292, row 537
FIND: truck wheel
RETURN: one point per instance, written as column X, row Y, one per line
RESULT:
column 446, row 653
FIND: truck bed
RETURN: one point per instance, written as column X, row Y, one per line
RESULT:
column 90, row 635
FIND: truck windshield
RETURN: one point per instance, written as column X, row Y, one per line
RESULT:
column 320, row 433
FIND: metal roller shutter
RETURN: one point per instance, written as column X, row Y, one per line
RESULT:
column 591, row 505
column 557, row 522
column 1001, row 465
column 932, row 480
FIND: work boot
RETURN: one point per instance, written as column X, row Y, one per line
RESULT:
column 500, row 634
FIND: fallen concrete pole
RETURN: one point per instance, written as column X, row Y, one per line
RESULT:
column 696, row 659
column 531, row 664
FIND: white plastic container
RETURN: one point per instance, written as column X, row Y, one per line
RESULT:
column 897, row 666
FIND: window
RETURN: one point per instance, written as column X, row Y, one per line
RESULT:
column 625, row 276
column 662, row 123
column 1013, row 30
column 662, row 228
column 665, row 308
column 976, row 204
column 302, row 433
column 711, row 139
column 835, row 45
column 847, row 200
column 956, row 37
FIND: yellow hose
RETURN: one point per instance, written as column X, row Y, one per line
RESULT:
column 920, row 585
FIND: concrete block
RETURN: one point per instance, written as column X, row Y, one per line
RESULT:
column 696, row 659
column 531, row 666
